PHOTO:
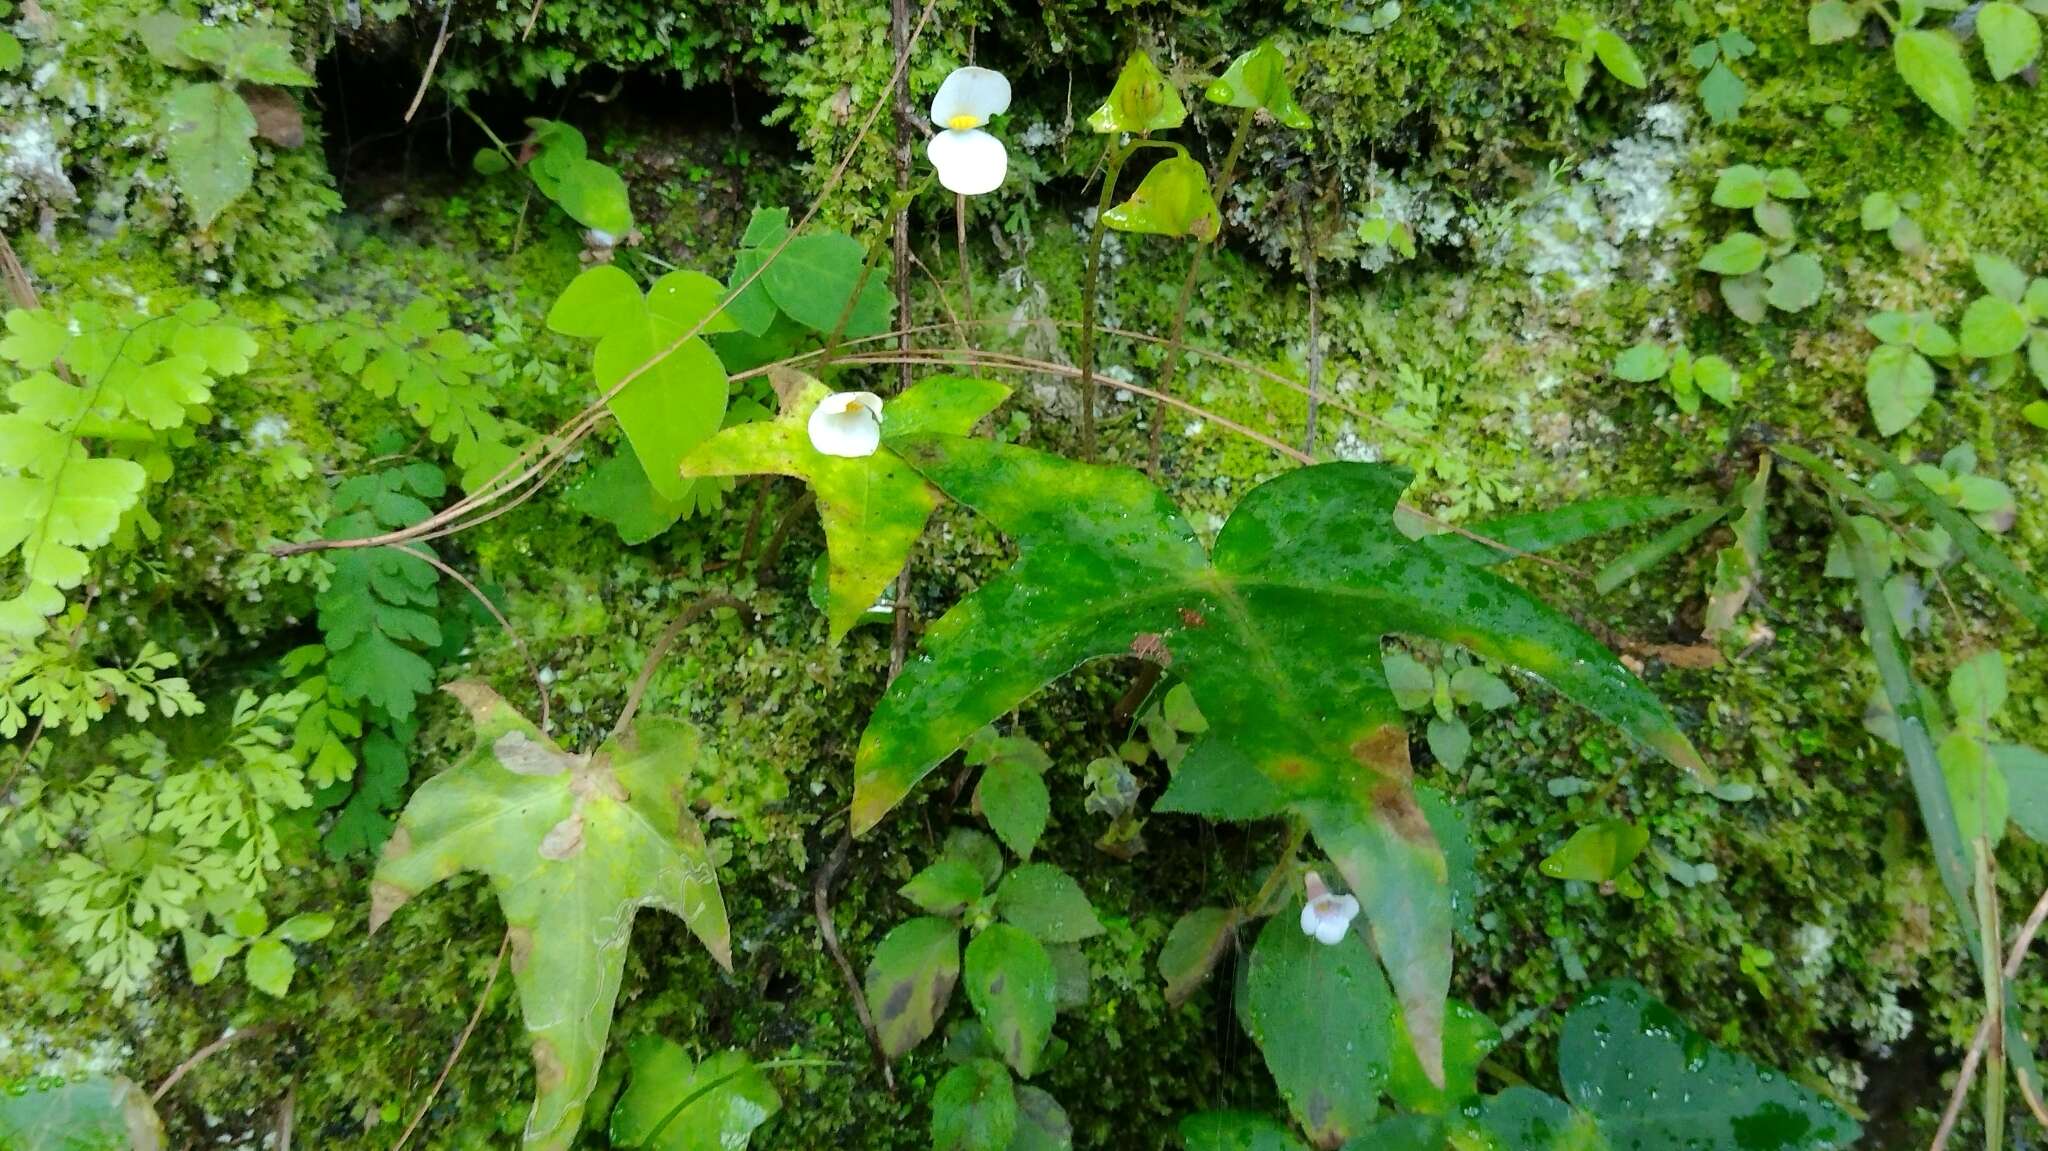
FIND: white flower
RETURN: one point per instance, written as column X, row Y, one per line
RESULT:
column 970, row 161
column 847, row 424
column 1327, row 917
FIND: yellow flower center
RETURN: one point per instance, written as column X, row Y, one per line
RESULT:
column 963, row 122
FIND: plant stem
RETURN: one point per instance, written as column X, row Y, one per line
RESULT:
column 1315, row 334
column 960, row 241
column 1224, row 178
column 1113, row 165
column 1994, row 999
column 1297, row 831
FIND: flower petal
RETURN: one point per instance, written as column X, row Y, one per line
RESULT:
column 847, row 424
column 971, row 163
column 970, row 95
column 1310, row 921
column 1331, row 931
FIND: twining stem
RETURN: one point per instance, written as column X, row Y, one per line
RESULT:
column 899, row 39
column 1113, row 164
column 1224, row 178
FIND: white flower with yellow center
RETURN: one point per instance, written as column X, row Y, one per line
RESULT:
column 1327, row 916
column 847, row 424
column 970, row 161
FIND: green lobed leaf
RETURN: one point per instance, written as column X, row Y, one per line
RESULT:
column 1141, row 101
column 207, row 134
column 1313, row 1009
column 874, row 507
column 1275, row 628
column 1011, row 982
column 910, row 980
column 673, row 1103
column 573, row 847
column 1723, row 93
column 1651, row 1082
column 1047, row 903
column 974, row 1108
column 1932, row 65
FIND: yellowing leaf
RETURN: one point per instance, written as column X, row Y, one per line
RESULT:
column 874, row 507
column 573, row 847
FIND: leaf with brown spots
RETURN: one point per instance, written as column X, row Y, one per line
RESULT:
column 573, row 847
column 1276, row 633
column 1015, row 991
column 911, row 979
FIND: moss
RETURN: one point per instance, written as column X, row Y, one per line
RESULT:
column 1485, row 378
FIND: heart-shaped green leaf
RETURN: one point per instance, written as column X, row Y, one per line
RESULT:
column 1141, row 101
column 1172, row 200
column 1258, row 79
column 573, row 847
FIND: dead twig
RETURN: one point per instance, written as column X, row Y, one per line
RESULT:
column 231, row 1035
column 526, row 656
column 821, row 905
column 19, row 286
column 461, row 1041
column 434, row 60
column 1975, row 1056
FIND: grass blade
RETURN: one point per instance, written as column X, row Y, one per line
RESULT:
column 1637, row 560
column 1556, row 527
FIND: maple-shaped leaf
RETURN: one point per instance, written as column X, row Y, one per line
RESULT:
column 1277, row 636
column 574, row 847
column 874, row 506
